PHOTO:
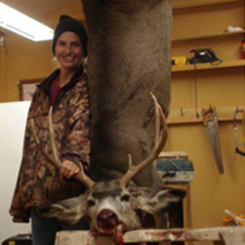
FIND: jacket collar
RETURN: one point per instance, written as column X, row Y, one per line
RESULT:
column 46, row 83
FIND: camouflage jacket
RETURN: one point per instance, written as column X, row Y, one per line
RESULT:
column 39, row 182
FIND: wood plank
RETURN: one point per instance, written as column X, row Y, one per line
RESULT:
column 218, row 35
column 203, row 234
column 180, row 4
column 186, row 115
column 150, row 235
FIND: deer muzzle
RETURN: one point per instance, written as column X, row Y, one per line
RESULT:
column 107, row 220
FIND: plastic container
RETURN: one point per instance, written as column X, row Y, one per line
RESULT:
column 21, row 239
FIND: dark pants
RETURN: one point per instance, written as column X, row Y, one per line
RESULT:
column 44, row 230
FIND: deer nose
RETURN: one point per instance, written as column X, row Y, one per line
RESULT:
column 107, row 219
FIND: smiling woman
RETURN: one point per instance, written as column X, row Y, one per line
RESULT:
column 65, row 90
column 23, row 59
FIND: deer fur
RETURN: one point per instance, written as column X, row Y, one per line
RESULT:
column 128, row 57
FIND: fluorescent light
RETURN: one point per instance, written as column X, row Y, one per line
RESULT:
column 23, row 25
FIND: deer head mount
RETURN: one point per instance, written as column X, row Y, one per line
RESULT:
column 112, row 205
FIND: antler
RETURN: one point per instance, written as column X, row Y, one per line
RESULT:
column 133, row 170
column 81, row 176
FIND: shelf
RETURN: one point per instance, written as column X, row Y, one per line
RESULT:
column 186, row 115
column 209, row 66
column 180, row 4
column 219, row 35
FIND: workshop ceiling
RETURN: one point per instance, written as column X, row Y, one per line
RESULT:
column 36, row 8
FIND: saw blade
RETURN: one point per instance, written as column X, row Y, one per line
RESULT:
column 210, row 120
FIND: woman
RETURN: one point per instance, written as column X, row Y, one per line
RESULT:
column 66, row 90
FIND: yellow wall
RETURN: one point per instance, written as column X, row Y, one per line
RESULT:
column 211, row 192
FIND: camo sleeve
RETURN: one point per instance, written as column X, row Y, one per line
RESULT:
column 76, row 146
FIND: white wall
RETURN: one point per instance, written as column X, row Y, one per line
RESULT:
column 12, row 126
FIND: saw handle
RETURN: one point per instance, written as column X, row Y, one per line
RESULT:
column 241, row 111
column 239, row 151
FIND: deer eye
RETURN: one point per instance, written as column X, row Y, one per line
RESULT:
column 125, row 198
column 90, row 202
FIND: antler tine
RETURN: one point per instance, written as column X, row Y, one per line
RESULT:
column 81, row 176
column 51, row 131
column 133, row 170
column 39, row 146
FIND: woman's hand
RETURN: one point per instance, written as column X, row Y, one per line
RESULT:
column 69, row 169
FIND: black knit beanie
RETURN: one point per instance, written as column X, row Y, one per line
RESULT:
column 66, row 23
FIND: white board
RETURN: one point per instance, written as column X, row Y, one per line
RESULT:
column 12, row 126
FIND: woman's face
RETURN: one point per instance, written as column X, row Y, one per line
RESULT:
column 69, row 51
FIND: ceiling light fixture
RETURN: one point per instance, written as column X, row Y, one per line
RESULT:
column 23, row 25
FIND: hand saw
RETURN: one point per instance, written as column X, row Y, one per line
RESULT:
column 210, row 121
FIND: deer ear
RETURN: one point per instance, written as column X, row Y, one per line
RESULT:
column 68, row 211
column 159, row 202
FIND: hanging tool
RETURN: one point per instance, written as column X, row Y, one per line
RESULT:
column 237, row 149
column 210, row 121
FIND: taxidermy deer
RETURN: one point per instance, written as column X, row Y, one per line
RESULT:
column 111, row 205
column 129, row 55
